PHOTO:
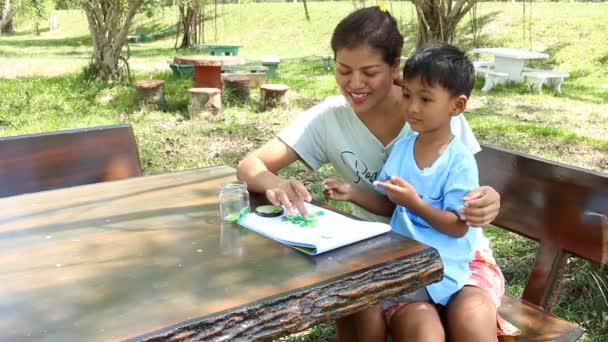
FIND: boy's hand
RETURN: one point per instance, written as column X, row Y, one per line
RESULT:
column 337, row 190
column 400, row 192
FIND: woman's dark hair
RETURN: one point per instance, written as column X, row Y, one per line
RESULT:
column 369, row 26
column 444, row 64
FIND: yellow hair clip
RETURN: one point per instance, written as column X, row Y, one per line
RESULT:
column 382, row 6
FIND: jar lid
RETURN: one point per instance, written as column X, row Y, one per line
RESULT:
column 269, row 210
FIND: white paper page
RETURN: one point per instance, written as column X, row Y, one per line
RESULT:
column 331, row 230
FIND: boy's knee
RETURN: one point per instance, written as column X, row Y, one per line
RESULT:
column 472, row 300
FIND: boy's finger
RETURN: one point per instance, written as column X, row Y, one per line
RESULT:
column 387, row 186
column 398, row 181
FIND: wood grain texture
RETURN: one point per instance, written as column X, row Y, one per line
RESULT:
column 45, row 161
column 307, row 307
column 560, row 206
column 547, row 201
column 139, row 258
column 537, row 325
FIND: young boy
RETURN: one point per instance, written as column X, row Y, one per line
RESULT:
column 426, row 176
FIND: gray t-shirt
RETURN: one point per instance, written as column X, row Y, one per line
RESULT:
column 331, row 132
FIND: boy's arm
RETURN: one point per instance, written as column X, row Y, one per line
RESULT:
column 463, row 177
column 372, row 201
column 442, row 220
column 403, row 193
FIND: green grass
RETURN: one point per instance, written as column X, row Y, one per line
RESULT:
column 41, row 89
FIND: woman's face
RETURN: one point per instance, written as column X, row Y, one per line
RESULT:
column 363, row 77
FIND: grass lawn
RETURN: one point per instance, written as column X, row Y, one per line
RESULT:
column 41, row 89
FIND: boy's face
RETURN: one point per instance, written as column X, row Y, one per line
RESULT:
column 430, row 106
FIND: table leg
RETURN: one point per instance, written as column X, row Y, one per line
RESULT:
column 511, row 66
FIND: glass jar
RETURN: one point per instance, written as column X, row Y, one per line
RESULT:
column 234, row 201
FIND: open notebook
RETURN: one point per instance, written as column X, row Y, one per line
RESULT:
column 323, row 231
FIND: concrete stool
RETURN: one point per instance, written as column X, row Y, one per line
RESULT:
column 204, row 102
column 272, row 96
column 272, row 63
column 237, row 86
column 152, row 92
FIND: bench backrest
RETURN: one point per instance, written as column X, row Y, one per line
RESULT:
column 45, row 161
column 562, row 207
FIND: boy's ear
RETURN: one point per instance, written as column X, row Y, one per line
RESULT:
column 460, row 104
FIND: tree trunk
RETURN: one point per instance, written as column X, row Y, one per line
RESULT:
column 109, row 22
column 438, row 19
column 188, row 17
column 306, row 10
column 6, row 21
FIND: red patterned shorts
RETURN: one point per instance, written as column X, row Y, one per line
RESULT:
column 486, row 275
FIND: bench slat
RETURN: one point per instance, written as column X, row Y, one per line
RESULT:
column 563, row 194
column 536, row 324
column 45, row 161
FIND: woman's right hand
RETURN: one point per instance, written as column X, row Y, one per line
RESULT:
column 291, row 194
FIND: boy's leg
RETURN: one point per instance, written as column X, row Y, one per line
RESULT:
column 370, row 324
column 471, row 316
column 365, row 325
column 345, row 329
column 419, row 321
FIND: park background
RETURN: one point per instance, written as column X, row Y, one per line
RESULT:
column 45, row 86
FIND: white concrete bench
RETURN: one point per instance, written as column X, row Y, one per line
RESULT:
column 492, row 78
column 536, row 79
column 482, row 66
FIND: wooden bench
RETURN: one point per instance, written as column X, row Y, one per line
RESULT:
column 45, row 161
column 256, row 73
column 537, row 78
column 180, row 70
column 219, row 49
column 565, row 210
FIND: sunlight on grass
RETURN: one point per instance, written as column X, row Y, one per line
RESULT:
column 570, row 128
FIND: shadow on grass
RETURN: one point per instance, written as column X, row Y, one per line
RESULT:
column 43, row 42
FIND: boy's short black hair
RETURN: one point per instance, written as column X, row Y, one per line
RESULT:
column 442, row 63
column 369, row 26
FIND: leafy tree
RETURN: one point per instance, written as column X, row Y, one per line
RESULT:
column 437, row 19
column 109, row 22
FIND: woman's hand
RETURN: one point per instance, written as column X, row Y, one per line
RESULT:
column 337, row 190
column 481, row 206
column 290, row 193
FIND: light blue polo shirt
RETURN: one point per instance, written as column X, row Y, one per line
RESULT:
column 443, row 185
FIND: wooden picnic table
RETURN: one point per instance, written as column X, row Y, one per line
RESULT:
column 511, row 61
column 149, row 258
column 208, row 69
column 220, row 49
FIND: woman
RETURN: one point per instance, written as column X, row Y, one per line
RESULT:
column 355, row 133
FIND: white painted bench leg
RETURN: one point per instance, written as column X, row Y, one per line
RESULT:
column 489, row 83
column 556, row 83
column 536, row 83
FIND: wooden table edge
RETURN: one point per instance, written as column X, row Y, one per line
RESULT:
column 300, row 309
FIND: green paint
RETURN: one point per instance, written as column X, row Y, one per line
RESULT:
column 310, row 222
column 237, row 216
